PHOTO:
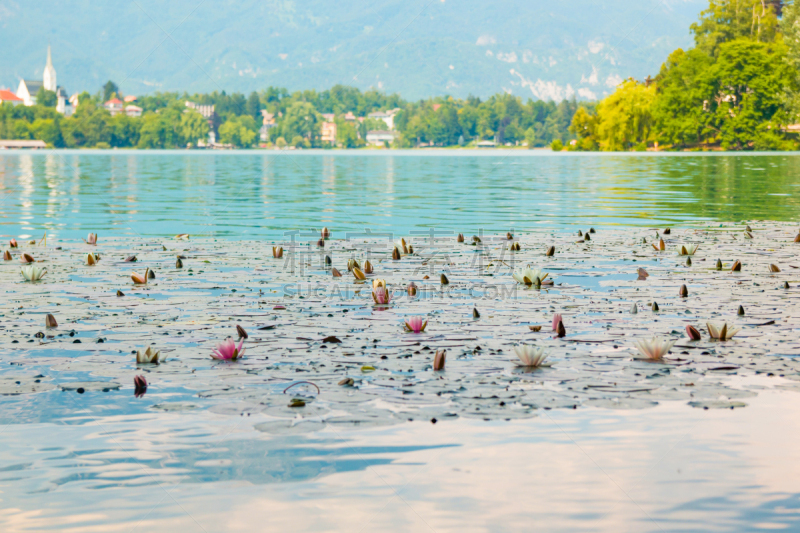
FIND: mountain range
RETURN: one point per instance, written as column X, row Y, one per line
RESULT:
column 417, row 48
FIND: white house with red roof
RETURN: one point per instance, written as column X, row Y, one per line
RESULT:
column 11, row 98
column 114, row 106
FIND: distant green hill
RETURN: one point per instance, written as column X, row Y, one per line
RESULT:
column 419, row 48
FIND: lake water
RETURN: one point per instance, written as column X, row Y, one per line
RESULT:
column 265, row 194
column 105, row 461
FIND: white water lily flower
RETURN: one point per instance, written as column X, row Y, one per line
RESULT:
column 529, row 276
column 723, row 333
column 530, row 356
column 33, row 272
column 655, row 348
column 687, row 249
column 149, row 356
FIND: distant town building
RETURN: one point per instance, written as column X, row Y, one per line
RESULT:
column 486, row 144
column 130, row 98
column 113, row 106
column 17, row 144
column 386, row 116
column 380, row 137
column 49, row 75
column 267, row 123
column 328, row 132
column 350, row 117
column 27, row 91
column 7, row 96
column 133, row 111
column 210, row 115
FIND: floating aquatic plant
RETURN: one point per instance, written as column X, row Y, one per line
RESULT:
column 530, row 356
column 33, row 272
column 415, row 324
column 655, row 348
column 227, row 350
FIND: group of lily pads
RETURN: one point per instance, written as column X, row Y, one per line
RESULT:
column 369, row 331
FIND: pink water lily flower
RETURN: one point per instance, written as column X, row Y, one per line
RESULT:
column 556, row 320
column 91, row 239
column 381, row 295
column 13, row 243
column 415, row 324
column 228, row 351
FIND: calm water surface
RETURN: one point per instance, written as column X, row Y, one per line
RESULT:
column 106, row 462
column 246, row 194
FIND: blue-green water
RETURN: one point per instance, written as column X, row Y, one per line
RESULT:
column 247, row 194
column 102, row 461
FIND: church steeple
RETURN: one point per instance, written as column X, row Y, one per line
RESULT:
column 49, row 77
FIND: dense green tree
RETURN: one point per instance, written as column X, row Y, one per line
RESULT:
column 194, row 127
column 46, row 98
column 241, row 131
column 254, row 105
column 727, row 20
column 110, row 90
column 625, row 119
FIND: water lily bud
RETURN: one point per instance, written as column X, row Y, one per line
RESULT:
column 358, row 274
column 661, row 245
column 688, row 261
column 326, row 233
column 130, row 259
column 240, row 330
column 178, row 263
column 475, row 313
column 719, row 264
column 321, row 243
column 797, row 239
column 785, row 284
column 439, row 359
column 748, row 235
column 139, row 386
column 91, row 259
column 26, row 258
column 634, row 309
column 737, row 266
column 667, row 231
column 655, row 307
column 50, row 321
column 460, row 237
column 412, row 289
column 13, row 243
column 740, row 311
column 352, row 263
column 347, row 382
column 509, row 236
column 642, row 274
column 551, row 251
column 684, row 291
column 561, row 331
column 367, row 267
column 444, row 280
column 6, row 256
column 774, row 268
column 328, row 260
column 120, row 293
column 747, row 228
column 410, row 249
column 336, row 273
column 586, row 237
column 692, row 332
column 580, row 233
column 396, row 254
column 277, row 252
column 151, row 274
column 476, row 239
column 591, row 230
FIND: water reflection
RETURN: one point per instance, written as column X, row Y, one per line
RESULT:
column 244, row 194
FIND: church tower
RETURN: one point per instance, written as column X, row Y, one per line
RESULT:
column 49, row 78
